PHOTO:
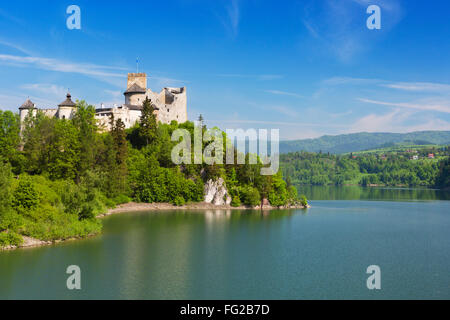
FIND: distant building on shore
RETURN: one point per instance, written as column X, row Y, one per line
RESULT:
column 170, row 104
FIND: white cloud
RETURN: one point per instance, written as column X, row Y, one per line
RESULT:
column 397, row 121
column 280, row 123
column 419, row 86
column 406, row 86
column 8, row 16
column 15, row 46
column 233, row 16
column 61, row 66
column 444, row 107
column 284, row 93
column 262, row 77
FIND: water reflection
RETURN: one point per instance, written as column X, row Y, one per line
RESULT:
column 373, row 193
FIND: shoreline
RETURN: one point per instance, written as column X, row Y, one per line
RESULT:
column 137, row 207
column 29, row 242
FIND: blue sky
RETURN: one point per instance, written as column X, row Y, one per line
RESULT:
column 306, row 67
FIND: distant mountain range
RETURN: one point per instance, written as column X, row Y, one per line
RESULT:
column 364, row 141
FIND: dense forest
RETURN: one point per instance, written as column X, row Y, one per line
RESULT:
column 391, row 169
column 57, row 176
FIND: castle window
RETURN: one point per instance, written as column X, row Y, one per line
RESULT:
column 64, row 117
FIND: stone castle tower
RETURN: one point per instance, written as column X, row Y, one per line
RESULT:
column 67, row 108
column 25, row 109
column 170, row 104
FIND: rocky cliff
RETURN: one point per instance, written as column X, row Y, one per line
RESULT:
column 217, row 193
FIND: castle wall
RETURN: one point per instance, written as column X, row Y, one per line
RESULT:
column 50, row 112
column 65, row 112
column 172, row 104
column 136, row 99
column 128, row 117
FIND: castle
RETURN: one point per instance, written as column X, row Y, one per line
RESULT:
column 170, row 104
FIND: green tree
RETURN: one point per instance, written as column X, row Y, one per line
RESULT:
column 9, row 135
column 120, row 169
column 5, row 186
column 86, row 124
column 148, row 124
column 443, row 177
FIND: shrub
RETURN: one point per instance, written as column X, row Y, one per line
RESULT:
column 303, row 200
column 87, row 212
column 5, row 186
column 10, row 239
column 25, row 196
column 121, row 199
column 179, row 201
column 250, row 196
column 236, row 201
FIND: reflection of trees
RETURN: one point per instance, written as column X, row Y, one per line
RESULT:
column 374, row 193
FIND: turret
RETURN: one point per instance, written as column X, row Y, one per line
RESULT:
column 27, row 107
column 67, row 108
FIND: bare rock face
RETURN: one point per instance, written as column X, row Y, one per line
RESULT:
column 216, row 193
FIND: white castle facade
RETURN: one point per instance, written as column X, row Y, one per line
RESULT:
column 170, row 104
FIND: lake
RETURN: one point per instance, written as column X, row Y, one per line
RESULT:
column 320, row 253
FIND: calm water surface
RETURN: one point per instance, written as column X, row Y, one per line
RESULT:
column 321, row 253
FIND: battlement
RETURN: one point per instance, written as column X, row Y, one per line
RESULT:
column 139, row 79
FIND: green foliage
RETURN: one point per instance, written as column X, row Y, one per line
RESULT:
column 278, row 195
column 10, row 239
column 51, row 146
column 5, row 186
column 148, row 125
column 443, row 178
column 26, row 196
column 85, row 123
column 303, row 200
column 121, row 199
column 49, row 210
column 9, row 137
column 392, row 169
column 159, row 184
column 236, row 201
column 179, row 201
column 292, row 193
column 250, row 196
